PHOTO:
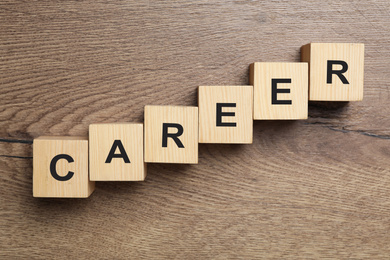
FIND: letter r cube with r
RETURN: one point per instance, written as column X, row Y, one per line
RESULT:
column 336, row 71
column 171, row 134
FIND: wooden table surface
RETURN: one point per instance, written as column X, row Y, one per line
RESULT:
column 318, row 188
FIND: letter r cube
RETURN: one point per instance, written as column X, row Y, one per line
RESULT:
column 336, row 71
column 171, row 134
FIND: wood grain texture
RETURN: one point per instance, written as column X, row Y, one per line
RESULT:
column 316, row 188
column 235, row 123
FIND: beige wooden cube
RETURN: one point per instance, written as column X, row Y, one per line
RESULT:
column 280, row 90
column 171, row 134
column 116, row 152
column 336, row 71
column 60, row 167
column 225, row 114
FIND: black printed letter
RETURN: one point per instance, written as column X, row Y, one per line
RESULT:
column 122, row 154
column 173, row 136
column 339, row 73
column 220, row 114
column 275, row 92
column 53, row 170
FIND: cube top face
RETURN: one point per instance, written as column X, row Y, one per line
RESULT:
column 60, row 167
column 336, row 71
column 280, row 90
column 171, row 134
column 117, row 152
column 225, row 114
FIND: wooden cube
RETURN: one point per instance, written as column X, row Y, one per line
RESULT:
column 171, row 134
column 336, row 71
column 116, row 152
column 225, row 114
column 60, row 167
column 280, row 90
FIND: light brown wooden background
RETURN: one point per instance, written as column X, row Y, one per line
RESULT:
column 307, row 189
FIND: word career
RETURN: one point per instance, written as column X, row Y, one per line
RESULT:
column 68, row 167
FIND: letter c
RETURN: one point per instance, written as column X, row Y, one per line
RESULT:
column 53, row 164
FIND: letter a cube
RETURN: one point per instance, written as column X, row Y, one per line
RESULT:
column 225, row 114
column 336, row 71
column 117, row 152
column 280, row 90
column 60, row 167
column 171, row 134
